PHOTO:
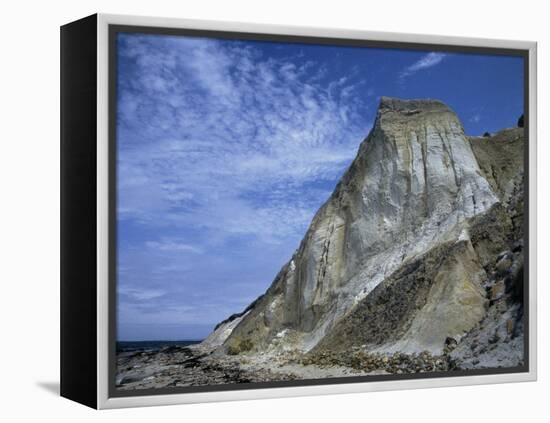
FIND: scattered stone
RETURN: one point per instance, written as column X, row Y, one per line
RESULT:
column 510, row 326
column 504, row 264
column 497, row 290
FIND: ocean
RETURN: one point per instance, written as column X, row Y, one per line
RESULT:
column 130, row 346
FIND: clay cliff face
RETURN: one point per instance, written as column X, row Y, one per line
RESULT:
column 398, row 258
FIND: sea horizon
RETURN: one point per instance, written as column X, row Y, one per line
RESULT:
column 150, row 345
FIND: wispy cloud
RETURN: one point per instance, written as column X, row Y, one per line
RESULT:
column 475, row 118
column 425, row 62
column 223, row 151
column 172, row 245
column 477, row 114
column 217, row 136
column 141, row 294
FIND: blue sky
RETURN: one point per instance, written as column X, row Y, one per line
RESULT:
column 226, row 149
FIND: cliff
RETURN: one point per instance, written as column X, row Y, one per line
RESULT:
column 404, row 255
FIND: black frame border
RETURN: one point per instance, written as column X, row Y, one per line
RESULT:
column 114, row 29
column 78, row 211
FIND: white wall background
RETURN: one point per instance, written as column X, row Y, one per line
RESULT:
column 29, row 235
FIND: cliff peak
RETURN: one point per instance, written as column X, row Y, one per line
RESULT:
column 410, row 107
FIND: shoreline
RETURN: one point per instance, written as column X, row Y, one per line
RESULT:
column 195, row 366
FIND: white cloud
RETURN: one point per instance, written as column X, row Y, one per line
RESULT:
column 171, row 245
column 224, row 156
column 475, row 118
column 425, row 62
column 226, row 140
column 141, row 294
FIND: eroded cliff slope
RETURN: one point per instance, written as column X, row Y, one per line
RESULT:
column 404, row 254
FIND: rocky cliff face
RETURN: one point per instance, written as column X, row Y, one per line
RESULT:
column 404, row 254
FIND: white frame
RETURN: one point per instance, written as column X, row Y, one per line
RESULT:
column 103, row 400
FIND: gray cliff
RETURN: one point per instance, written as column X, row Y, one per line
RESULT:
column 417, row 249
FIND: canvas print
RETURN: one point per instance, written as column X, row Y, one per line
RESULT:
column 292, row 211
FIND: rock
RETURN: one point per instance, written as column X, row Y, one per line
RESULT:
column 504, row 264
column 418, row 177
column 510, row 326
column 521, row 121
column 222, row 331
column 450, row 342
column 497, row 290
column 517, row 246
column 500, row 158
column 414, row 264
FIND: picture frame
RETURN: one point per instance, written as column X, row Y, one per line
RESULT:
column 89, row 195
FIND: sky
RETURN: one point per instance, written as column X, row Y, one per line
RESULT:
column 227, row 148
